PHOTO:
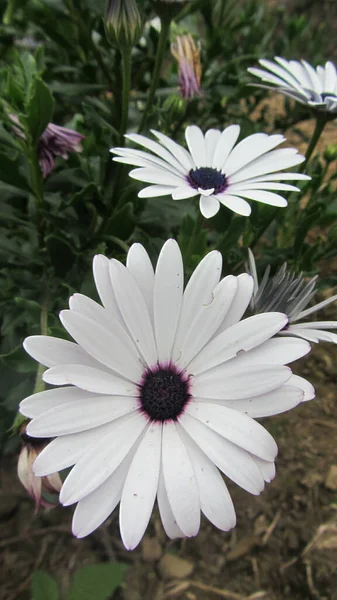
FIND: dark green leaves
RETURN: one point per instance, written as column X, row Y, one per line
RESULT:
column 39, row 108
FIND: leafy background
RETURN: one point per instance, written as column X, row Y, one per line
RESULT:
column 56, row 65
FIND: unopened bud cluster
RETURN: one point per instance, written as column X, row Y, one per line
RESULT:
column 123, row 23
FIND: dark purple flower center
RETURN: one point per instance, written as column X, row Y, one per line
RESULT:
column 164, row 393
column 207, row 178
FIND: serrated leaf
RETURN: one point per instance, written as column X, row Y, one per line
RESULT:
column 39, row 108
column 96, row 581
column 44, row 586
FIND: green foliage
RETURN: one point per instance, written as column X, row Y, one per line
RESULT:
column 44, row 586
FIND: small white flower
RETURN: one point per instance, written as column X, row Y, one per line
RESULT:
column 290, row 294
column 315, row 87
column 214, row 169
column 161, row 391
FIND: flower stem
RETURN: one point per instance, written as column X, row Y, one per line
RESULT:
column 319, row 127
column 126, row 75
column 163, row 37
column 36, row 178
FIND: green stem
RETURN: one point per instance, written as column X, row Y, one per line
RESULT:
column 39, row 383
column 320, row 124
column 36, row 178
column 126, row 74
column 162, row 42
column 193, row 243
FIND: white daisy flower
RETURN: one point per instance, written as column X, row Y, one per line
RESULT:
column 214, row 169
column 161, row 391
column 291, row 293
column 315, row 87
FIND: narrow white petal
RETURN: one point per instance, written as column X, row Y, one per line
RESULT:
column 99, row 462
column 134, row 310
column 215, row 500
column 168, row 157
column 237, row 427
column 277, row 176
column 139, row 264
column 235, row 204
column 96, row 507
column 212, row 137
column 103, row 284
column 198, row 293
column 36, row 404
column 206, row 193
column 249, row 149
column 92, row 380
column 196, row 144
column 246, row 186
column 284, row 74
column 154, row 191
column 89, row 308
column 140, row 487
column 244, row 335
column 51, row 351
column 234, row 462
column 111, row 347
column 276, row 351
column 265, row 197
column 207, row 320
column 303, row 384
column 81, row 415
column 316, row 84
column 144, row 159
column 312, row 309
column 168, row 519
column 183, row 192
column 275, row 402
column 267, row 468
column 330, row 79
column 232, row 383
column 317, row 325
column 313, row 335
column 225, row 145
column 276, row 160
column 181, row 155
column 245, row 284
column 168, row 295
column 209, row 206
column 180, row 482
column 66, row 450
column 156, row 175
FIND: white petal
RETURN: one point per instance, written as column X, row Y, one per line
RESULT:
column 134, row 310
column 316, row 84
column 235, row 383
column 303, row 384
column 234, row 462
column 249, row 185
column 317, row 325
column 198, row 293
column 225, row 145
column 236, row 427
column 139, row 264
column 185, row 191
column 272, row 403
column 313, row 335
column 196, row 144
column 36, row 404
column 207, row 320
column 235, row 204
column 98, row 463
column 81, row 415
column 96, row 507
column 181, row 155
column 65, row 451
column 92, row 380
column 111, row 347
column 153, row 191
column 169, row 523
column 330, row 80
column 156, row 175
column 265, row 197
column 312, row 309
column 215, row 500
column 284, row 74
column 206, row 193
column 103, row 284
column 168, row 157
column 249, row 149
column 209, row 206
column 89, row 308
column 244, row 335
column 212, row 138
column 180, row 482
column 245, row 284
column 51, row 351
column 140, row 488
column 144, row 159
column 267, row 468
column 276, row 351
column 276, row 160
column 168, row 294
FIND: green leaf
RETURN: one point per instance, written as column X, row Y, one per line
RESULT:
column 18, row 360
column 96, row 581
column 12, row 171
column 44, row 587
column 61, row 254
column 39, row 108
column 122, row 222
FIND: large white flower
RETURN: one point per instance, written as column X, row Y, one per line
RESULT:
column 315, row 87
column 214, row 169
column 291, row 293
column 161, row 390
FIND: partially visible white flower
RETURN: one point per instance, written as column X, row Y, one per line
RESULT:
column 161, row 391
column 215, row 169
column 315, row 87
column 290, row 294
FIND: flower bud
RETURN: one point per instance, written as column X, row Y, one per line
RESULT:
column 168, row 9
column 123, row 23
column 187, row 53
column 330, row 152
column 36, row 486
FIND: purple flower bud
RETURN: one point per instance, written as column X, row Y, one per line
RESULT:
column 187, row 53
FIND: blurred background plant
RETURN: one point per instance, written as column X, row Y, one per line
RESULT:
column 58, row 67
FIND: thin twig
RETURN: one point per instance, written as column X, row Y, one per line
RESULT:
column 271, row 528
